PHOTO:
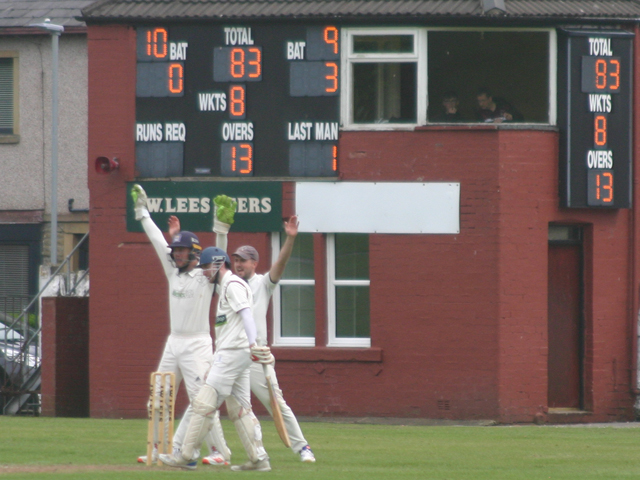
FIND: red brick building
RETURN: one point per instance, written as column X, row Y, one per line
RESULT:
column 512, row 296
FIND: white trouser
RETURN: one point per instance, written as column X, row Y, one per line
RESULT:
column 229, row 376
column 189, row 357
column 261, row 391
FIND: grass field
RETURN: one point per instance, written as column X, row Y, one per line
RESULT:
column 62, row 448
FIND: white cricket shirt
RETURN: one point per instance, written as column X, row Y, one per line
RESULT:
column 233, row 295
column 189, row 293
column 262, row 288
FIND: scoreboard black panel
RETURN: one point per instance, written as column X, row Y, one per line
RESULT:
column 237, row 100
column 595, row 118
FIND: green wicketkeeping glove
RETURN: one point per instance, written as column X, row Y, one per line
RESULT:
column 139, row 197
column 223, row 212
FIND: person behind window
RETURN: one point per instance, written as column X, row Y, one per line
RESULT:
column 495, row 109
column 450, row 109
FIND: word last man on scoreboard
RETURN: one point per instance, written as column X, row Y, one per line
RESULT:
column 237, row 101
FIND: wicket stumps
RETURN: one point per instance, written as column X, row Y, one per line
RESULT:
column 162, row 391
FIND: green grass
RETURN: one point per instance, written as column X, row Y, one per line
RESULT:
column 62, row 448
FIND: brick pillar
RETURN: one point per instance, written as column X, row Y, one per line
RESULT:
column 65, row 357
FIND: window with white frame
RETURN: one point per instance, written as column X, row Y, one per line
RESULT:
column 405, row 77
column 384, row 72
column 294, row 298
column 348, row 290
column 8, row 93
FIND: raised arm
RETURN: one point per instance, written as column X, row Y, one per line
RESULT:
column 224, row 209
column 151, row 229
column 277, row 269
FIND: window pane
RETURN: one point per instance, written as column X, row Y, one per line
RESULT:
column 14, row 279
column 6, row 95
column 513, row 66
column 383, row 44
column 384, row 92
column 300, row 265
column 298, row 311
column 352, row 256
column 352, row 312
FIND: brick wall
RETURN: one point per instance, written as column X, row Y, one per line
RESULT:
column 458, row 322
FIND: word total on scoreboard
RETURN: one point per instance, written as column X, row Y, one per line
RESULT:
column 247, row 100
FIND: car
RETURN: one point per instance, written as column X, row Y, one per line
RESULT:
column 17, row 362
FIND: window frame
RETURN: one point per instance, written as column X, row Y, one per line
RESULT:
column 278, row 339
column 420, row 57
column 332, row 283
column 15, row 136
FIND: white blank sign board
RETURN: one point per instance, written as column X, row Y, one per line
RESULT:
column 380, row 207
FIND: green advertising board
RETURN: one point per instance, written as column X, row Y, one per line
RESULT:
column 259, row 204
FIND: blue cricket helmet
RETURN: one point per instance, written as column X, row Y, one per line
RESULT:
column 214, row 255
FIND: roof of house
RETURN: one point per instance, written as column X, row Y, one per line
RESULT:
column 262, row 9
column 16, row 14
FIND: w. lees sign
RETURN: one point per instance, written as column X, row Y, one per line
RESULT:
column 259, row 204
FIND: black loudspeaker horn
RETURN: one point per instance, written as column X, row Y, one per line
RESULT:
column 105, row 165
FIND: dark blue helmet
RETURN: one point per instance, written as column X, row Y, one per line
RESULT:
column 214, row 255
column 186, row 239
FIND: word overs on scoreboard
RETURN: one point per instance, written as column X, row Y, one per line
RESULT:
column 595, row 118
column 600, row 80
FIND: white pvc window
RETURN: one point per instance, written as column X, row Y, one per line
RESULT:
column 348, row 290
column 384, row 78
column 294, row 297
column 399, row 78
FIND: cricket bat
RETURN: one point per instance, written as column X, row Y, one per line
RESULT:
column 277, row 413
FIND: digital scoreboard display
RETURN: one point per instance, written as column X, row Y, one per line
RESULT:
column 595, row 118
column 237, row 101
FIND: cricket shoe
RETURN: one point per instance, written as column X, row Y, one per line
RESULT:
column 171, row 461
column 215, row 459
column 259, row 466
column 306, row 455
column 154, row 457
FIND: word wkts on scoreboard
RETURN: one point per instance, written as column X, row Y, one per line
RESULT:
column 237, row 101
column 594, row 111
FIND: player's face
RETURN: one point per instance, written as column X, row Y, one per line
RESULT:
column 210, row 269
column 484, row 102
column 244, row 268
column 181, row 256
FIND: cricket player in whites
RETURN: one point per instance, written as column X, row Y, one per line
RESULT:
column 245, row 262
column 228, row 378
column 188, row 351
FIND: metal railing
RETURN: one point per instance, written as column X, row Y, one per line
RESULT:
column 20, row 356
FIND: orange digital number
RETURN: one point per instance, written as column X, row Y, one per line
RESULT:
column 176, row 78
column 608, row 186
column 236, row 94
column 248, row 158
column 332, row 77
column 615, row 75
column 335, row 158
column 600, row 130
column 157, row 38
column 237, row 63
column 331, row 38
column 256, row 62
column 601, row 74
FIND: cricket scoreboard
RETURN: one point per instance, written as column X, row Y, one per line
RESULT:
column 595, row 118
column 237, row 101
